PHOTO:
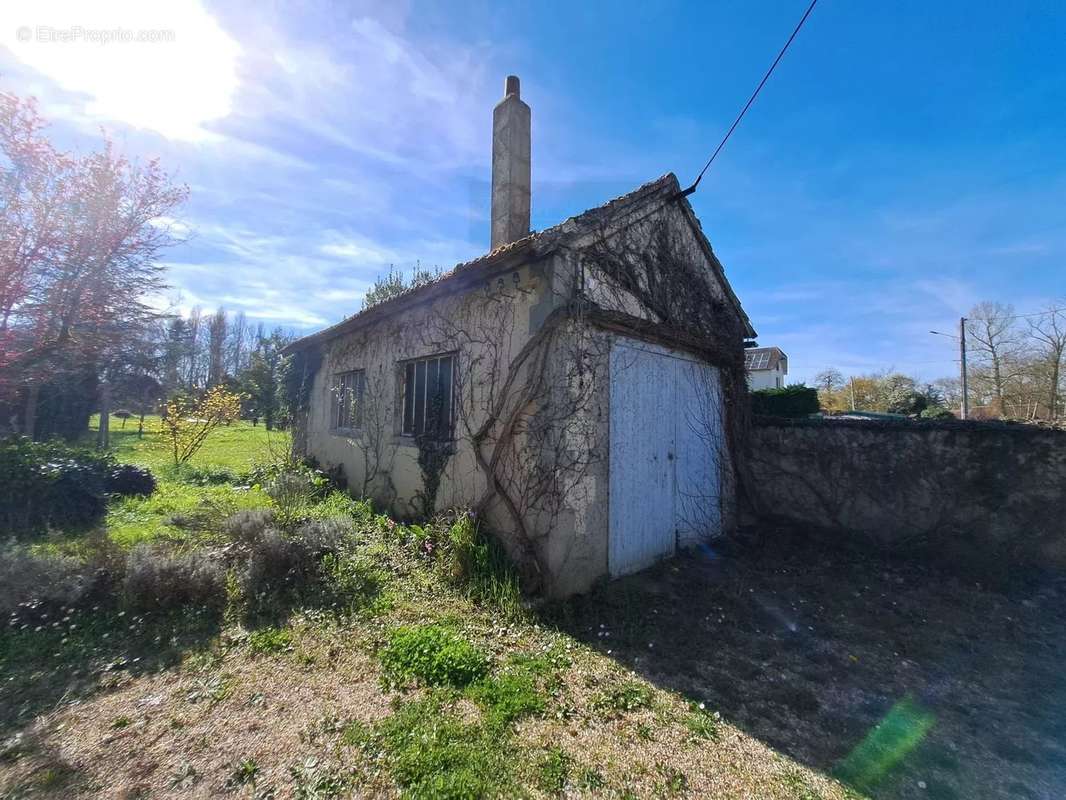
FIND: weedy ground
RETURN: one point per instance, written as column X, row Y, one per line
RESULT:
column 743, row 676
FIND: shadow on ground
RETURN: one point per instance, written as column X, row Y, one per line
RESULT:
column 904, row 681
column 48, row 660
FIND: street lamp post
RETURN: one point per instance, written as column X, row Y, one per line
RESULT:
column 964, row 411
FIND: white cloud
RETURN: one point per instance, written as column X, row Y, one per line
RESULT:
column 365, row 89
column 174, row 85
column 359, row 248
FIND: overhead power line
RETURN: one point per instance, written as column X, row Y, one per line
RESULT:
column 1037, row 313
column 751, row 99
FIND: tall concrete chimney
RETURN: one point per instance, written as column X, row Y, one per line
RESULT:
column 510, row 166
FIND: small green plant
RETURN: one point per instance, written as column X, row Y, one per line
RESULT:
column 121, row 722
column 674, row 781
column 183, row 776
column 433, row 754
column 293, row 493
column 554, row 771
column 348, row 583
column 623, row 697
column 507, row 697
column 701, row 723
column 213, row 689
column 644, row 732
column 590, row 779
column 270, row 641
column 799, row 788
column 357, row 734
column 432, row 654
column 53, row 777
column 244, row 773
column 478, row 563
column 313, row 781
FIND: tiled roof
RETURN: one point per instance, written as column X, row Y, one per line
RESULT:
column 759, row 358
column 536, row 243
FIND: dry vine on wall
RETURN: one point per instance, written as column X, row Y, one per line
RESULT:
column 531, row 419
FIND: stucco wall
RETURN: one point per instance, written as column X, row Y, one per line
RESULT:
column 554, row 419
column 766, row 379
column 983, row 497
column 486, row 329
column 416, row 333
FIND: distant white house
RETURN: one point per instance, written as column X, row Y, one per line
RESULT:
column 766, row 366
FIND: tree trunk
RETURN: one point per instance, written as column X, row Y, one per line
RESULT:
column 1054, row 394
column 29, row 418
column 103, row 435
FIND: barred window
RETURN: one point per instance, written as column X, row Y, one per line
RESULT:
column 347, row 399
column 428, row 397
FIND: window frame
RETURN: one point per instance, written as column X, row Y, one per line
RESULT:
column 337, row 387
column 412, row 366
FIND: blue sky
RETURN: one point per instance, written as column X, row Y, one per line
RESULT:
column 907, row 159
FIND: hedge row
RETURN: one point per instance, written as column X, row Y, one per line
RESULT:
column 792, row 401
column 52, row 484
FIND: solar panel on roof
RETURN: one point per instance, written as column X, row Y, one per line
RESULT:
column 757, row 360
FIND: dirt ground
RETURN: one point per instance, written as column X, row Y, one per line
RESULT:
column 906, row 681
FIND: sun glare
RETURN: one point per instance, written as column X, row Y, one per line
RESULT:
column 167, row 67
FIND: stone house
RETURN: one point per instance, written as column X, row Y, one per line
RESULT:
column 576, row 387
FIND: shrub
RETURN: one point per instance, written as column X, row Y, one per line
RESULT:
column 474, row 561
column 285, row 569
column 294, row 492
column 35, row 584
column 903, row 400
column 432, row 654
column 347, row 583
column 159, row 579
column 321, row 537
column 936, row 412
column 272, row 572
column 186, row 425
column 205, row 475
column 128, row 480
column 51, row 484
column 245, row 527
column 792, row 401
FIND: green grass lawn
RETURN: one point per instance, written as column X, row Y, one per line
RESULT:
column 182, row 491
column 236, row 447
column 428, row 687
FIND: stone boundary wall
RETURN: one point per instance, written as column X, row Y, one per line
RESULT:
column 983, row 497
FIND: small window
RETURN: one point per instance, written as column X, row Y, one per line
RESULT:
column 427, row 399
column 347, row 400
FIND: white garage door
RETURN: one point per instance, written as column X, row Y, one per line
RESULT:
column 666, row 454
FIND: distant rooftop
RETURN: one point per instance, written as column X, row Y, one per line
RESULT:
column 758, row 358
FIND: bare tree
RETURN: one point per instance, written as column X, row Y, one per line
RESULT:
column 993, row 342
column 216, row 340
column 192, row 373
column 1049, row 330
column 237, row 347
column 829, row 380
